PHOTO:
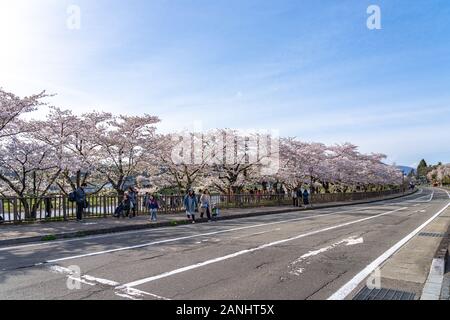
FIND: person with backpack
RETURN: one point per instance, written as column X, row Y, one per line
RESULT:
column 153, row 207
column 80, row 199
column 205, row 201
column 190, row 203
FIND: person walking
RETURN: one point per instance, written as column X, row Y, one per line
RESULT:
column 199, row 210
column 1, row 211
column 127, row 204
column 190, row 203
column 205, row 200
column 146, row 199
column 132, row 194
column 299, row 196
column 48, row 207
column 305, row 197
column 80, row 199
column 153, row 207
column 294, row 197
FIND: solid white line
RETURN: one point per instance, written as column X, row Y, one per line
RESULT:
column 200, row 235
column 239, row 253
column 343, row 292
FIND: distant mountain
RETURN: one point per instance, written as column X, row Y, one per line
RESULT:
column 406, row 169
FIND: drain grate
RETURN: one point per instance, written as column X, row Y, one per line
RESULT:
column 432, row 234
column 383, row 294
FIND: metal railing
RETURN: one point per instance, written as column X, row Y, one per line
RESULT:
column 59, row 208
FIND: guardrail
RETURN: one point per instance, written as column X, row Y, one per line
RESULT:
column 59, row 208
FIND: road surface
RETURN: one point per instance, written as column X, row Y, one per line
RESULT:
column 297, row 255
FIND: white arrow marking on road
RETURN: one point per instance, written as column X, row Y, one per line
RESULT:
column 348, row 242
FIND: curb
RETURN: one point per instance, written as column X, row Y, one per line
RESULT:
column 81, row 234
column 433, row 285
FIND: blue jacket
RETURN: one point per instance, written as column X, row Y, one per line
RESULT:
column 190, row 203
column 153, row 204
column 80, row 195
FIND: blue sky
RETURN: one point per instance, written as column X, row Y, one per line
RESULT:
column 311, row 69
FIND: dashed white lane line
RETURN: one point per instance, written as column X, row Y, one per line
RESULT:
column 246, row 251
column 203, row 235
column 345, row 290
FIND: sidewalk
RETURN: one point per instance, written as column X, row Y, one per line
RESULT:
column 49, row 231
column 411, row 270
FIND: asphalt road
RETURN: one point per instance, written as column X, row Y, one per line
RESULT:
column 297, row 255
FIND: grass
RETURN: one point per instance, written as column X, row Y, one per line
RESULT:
column 49, row 237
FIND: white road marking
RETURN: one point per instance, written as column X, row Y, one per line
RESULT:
column 423, row 201
column 136, row 294
column 129, row 293
column 343, row 292
column 351, row 241
column 201, row 235
column 86, row 279
column 246, row 251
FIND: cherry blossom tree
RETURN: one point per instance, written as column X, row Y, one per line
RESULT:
column 184, row 160
column 74, row 137
column 440, row 174
column 28, row 169
column 12, row 107
column 127, row 148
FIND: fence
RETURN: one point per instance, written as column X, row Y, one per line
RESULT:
column 59, row 208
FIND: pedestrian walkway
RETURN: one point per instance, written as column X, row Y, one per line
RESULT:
column 48, row 231
column 408, row 270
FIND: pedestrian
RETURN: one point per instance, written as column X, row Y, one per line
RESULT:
column 2, row 219
column 199, row 210
column 48, row 207
column 294, row 198
column 132, row 194
column 126, row 204
column 205, row 200
column 190, row 203
column 80, row 199
column 119, row 212
column 146, row 199
column 305, row 197
column 299, row 196
column 153, row 207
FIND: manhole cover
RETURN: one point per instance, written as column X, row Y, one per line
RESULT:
column 383, row 294
column 432, row 234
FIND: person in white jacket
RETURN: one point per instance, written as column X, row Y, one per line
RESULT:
column 205, row 203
